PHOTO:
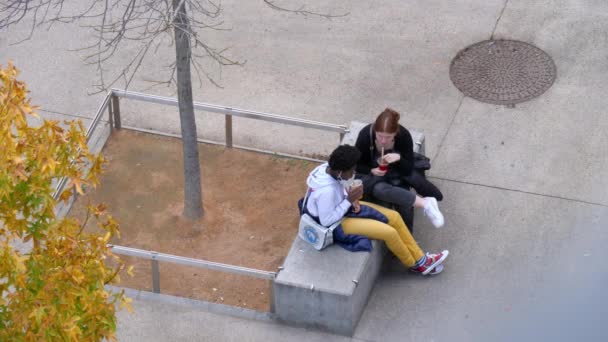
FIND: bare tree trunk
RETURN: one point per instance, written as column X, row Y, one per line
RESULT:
column 193, row 199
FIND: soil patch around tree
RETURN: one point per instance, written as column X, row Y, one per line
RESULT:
column 250, row 220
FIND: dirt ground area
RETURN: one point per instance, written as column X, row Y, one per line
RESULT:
column 250, row 214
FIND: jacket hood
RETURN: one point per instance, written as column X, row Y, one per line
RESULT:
column 319, row 178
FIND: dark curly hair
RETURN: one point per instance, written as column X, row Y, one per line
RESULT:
column 343, row 158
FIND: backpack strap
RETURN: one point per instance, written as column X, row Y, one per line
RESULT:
column 305, row 202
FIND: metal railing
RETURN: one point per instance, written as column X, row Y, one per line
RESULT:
column 89, row 133
column 228, row 112
column 156, row 257
column 112, row 104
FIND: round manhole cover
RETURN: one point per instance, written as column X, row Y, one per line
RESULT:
column 502, row 71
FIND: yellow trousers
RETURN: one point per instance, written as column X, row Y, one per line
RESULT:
column 395, row 234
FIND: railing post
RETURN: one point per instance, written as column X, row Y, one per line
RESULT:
column 341, row 137
column 110, row 113
column 229, row 130
column 155, row 274
column 116, row 111
column 272, row 305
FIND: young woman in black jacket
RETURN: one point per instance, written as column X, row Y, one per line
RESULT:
column 387, row 163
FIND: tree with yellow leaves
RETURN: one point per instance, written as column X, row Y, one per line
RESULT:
column 54, row 288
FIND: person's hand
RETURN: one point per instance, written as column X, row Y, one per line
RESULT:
column 354, row 193
column 392, row 157
column 378, row 172
column 356, row 207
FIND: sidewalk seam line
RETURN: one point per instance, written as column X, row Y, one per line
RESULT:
column 66, row 114
column 449, row 127
column 520, row 191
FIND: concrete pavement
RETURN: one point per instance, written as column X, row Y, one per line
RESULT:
column 526, row 203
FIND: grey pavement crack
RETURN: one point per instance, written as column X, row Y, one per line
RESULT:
column 498, row 19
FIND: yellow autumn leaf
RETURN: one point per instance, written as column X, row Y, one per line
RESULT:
column 72, row 330
column 77, row 276
column 125, row 302
column 49, row 163
column 20, row 263
column 20, row 172
column 66, row 195
column 106, row 237
column 17, row 160
column 78, row 184
column 37, row 314
column 99, row 209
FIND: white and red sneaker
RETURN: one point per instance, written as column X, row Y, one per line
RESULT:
column 433, row 264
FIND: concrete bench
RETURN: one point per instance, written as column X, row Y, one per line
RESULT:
column 328, row 290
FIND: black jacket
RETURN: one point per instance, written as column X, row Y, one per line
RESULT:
column 403, row 145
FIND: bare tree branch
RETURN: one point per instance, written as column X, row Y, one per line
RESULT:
column 303, row 11
column 117, row 23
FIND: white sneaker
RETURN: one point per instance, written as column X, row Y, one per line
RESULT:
column 438, row 269
column 431, row 210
